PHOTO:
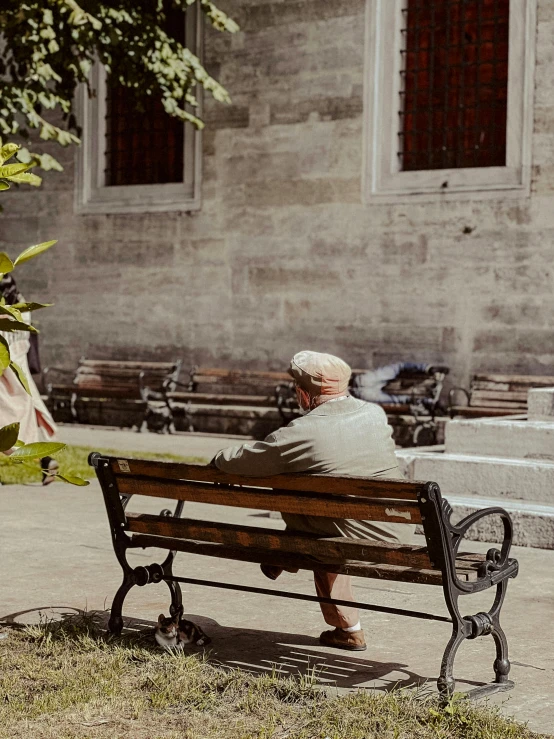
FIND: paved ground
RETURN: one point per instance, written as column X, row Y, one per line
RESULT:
column 193, row 445
column 57, row 557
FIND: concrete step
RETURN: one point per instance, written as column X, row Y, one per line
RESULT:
column 497, row 437
column 533, row 523
column 498, row 478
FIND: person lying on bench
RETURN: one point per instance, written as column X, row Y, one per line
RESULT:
column 337, row 434
column 371, row 385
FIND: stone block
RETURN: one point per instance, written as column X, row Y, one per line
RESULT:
column 533, row 524
column 287, row 279
column 500, row 478
column 306, row 11
column 541, row 405
column 497, row 437
column 302, row 192
column 129, row 252
column 17, row 232
column 219, row 116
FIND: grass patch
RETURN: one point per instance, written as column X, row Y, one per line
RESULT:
column 66, row 680
column 74, row 461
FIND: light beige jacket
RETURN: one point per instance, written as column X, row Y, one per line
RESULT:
column 345, row 437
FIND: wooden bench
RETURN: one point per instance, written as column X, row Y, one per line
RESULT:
column 495, row 395
column 439, row 562
column 137, row 388
column 230, row 401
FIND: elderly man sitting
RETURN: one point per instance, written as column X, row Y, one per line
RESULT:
column 337, row 434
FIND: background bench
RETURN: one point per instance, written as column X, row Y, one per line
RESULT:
column 113, row 393
column 494, row 395
column 226, row 401
column 438, row 562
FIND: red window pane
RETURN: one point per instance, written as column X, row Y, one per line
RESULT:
column 144, row 145
column 454, row 84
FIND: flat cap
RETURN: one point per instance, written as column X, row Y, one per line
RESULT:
column 320, row 374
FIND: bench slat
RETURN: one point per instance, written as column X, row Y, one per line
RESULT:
column 356, row 569
column 511, row 395
column 120, row 375
column 482, row 385
column 324, row 548
column 220, row 399
column 339, row 484
column 530, row 380
column 311, row 504
column 108, row 364
column 484, row 403
column 477, row 411
column 96, row 392
column 214, row 374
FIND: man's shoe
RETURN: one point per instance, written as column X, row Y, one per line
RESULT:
column 353, row 641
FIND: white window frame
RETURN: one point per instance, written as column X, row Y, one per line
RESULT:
column 382, row 178
column 91, row 193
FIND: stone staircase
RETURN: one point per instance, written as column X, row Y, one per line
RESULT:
column 506, row 462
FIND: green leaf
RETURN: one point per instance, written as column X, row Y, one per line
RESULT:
column 4, row 355
column 44, row 161
column 4, row 185
column 9, row 310
column 9, row 170
column 8, row 436
column 71, row 480
column 27, row 179
column 37, row 450
column 7, row 152
column 34, row 251
column 21, row 376
column 6, row 264
column 25, row 307
column 11, row 326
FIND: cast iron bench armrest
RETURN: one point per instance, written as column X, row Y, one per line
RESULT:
column 497, row 566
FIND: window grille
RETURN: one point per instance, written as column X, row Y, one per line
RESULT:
column 454, row 86
column 144, row 145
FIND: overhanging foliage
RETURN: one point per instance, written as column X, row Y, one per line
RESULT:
column 48, row 47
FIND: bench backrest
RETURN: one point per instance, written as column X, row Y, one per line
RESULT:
column 504, row 391
column 114, row 378
column 329, row 496
column 235, row 382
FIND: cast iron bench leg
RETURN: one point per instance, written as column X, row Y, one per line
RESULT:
column 167, row 567
column 115, row 624
column 472, row 627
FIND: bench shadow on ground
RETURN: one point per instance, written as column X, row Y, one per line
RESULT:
column 266, row 652
column 260, row 652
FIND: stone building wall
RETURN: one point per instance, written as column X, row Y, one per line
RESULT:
column 283, row 255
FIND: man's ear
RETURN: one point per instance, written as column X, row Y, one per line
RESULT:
column 303, row 398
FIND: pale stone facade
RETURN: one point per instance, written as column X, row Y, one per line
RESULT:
column 283, row 254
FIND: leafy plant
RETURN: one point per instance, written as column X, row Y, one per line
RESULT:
column 49, row 47
column 11, row 319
